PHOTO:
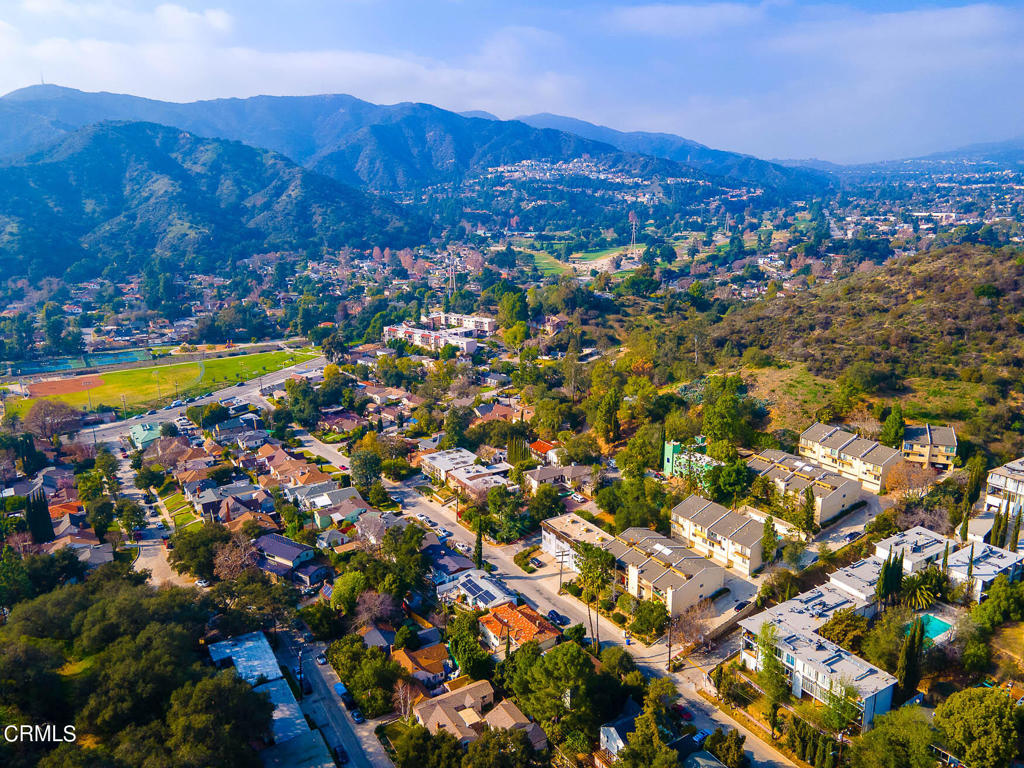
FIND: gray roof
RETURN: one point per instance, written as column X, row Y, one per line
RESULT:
column 929, row 435
column 848, row 443
column 722, row 522
column 251, row 655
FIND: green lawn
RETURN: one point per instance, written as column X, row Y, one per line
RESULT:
column 175, row 503
column 158, row 385
column 184, row 518
column 547, row 263
column 595, row 255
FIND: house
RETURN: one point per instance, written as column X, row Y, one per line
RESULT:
column 143, row 435
column 571, row 477
column 372, row 526
column 866, row 461
column 445, row 563
column 857, row 580
column 517, row 624
column 459, row 712
column 727, row 537
column 981, row 564
column 544, row 451
column 793, row 476
column 614, row 736
column 430, row 665
column 702, row 759
column 477, row 480
column 476, row 589
column 280, row 549
column 930, row 446
column 918, row 546
column 495, row 379
column 261, row 519
column 330, row 538
column 507, row 716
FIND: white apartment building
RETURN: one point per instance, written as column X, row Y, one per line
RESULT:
column 711, row 530
column 989, row 563
column 459, row 338
column 866, row 461
column 438, row 465
column 793, row 475
column 1005, row 488
column 478, row 324
column 919, row 546
column 560, row 535
column 814, row 665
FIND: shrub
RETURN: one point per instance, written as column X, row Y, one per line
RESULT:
column 573, row 589
column 619, row 618
column 607, row 605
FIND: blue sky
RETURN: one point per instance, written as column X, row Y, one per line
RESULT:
column 845, row 82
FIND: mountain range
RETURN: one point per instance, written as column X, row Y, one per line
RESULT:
column 118, row 193
column 382, row 148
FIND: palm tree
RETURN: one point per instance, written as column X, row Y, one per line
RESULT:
column 917, row 592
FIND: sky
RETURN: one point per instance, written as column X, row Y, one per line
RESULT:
column 845, row 82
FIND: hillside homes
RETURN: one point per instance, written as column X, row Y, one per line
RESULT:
column 729, row 538
column 792, row 476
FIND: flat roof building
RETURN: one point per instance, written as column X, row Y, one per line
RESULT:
column 440, row 464
column 919, row 546
column 989, row 563
column 560, row 535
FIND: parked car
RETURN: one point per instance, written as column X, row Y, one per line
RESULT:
column 202, row 583
column 578, row 498
column 341, row 755
column 321, row 659
column 557, row 619
column 741, row 605
column 307, row 637
column 443, row 533
column 682, row 711
column 536, row 563
column 151, row 412
column 701, row 736
column 357, row 716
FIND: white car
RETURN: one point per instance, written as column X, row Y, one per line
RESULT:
column 578, row 498
column 202, row 583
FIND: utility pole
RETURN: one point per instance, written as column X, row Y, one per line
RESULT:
column 124, row 407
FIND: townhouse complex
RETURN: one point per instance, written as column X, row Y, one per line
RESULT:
column 792, row 476
column 648, row 565
column 729, row 538
column 868, row 462
column 930, row 446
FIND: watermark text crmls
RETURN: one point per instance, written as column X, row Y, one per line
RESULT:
column 39, row 734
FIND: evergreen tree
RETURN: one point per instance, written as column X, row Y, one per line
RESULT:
column 995, row 537
column 1015, row 533
column 807, row 511
column 819, row 754
column 893, row 429
column 769, row 540
column 964, row 523
column 945, row 558
column 478, row 547
column 970, row 575
column 37, row 515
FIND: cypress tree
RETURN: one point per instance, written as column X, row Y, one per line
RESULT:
column 819, row 755
column 945, row 558
column 37, row 515
column 903, row 665
column 996, row 536
column 1015, row 533
column 966, row 520
column 478, row 547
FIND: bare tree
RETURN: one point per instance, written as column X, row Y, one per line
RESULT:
column 690, row 627
column 49, row 418
column 910, row 479
column 372, row 607
column 235, row 557
column 403, row 698
column 21, row 542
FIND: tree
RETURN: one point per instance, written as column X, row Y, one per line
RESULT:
column 898, row 739
column 99, row 513
column 893, row 428
column 557, row 684
column 649, row 618
column 416, row 748
column 129, row 513
column 728, row 747
column 917, row 592
column 49, row 418
column 347, row 589
column 845, row 628
column 546, row 503
column 478, row 545
column 771, row 674
column 980, row 726
column 769, row 540
column 169, row 429
column 372, row 607
column 365, row 469
column 501, row 748
column 215, row 721
column 37, row 515
column 235, row 557
column 195, row 549
column 908, row 667
column 596, row 566
column 1015, row 532
column 689, row 628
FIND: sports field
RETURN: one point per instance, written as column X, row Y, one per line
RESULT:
column 156, row 386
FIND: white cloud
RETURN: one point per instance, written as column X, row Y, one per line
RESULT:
column 165, row 20
column 675, row 20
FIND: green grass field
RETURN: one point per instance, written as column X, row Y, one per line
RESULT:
column 175, row 503
column 547, row 263
column 152, row 387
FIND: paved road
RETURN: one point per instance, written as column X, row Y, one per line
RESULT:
column 325, row 708
column 540, row 590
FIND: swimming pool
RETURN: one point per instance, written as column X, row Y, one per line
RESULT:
column 934, row 626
